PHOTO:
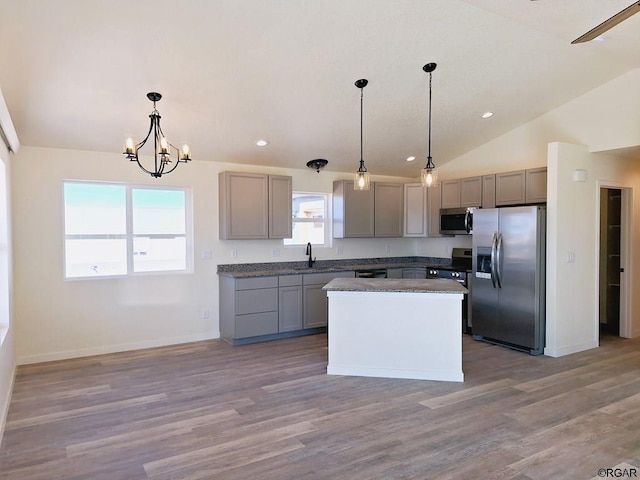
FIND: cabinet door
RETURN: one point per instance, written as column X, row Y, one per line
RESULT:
column 450, row 194
column 280, row 200
column 388, row 205
column 290, row 308
column 417, row 272
column 434, row 200
column 510, row 188
column 315, row 306
column 488, row 191
column 471, row 192
column 352, row 211
column 536, row 189
column 415, row 210
column 243, row 199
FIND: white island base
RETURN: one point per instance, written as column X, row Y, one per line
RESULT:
column 413, row 332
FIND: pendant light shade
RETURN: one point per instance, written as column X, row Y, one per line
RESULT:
column 361, row 179
column 429, row 174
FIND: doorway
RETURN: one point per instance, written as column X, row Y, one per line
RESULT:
column 610, row 266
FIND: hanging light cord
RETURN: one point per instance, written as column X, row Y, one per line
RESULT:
column 429, row 154
column 362, row 167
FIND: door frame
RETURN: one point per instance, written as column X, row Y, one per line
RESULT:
column 626, row 227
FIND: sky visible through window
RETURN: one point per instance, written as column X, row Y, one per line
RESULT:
column 96, row 239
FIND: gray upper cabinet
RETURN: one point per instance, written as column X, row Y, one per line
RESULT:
column 280, row 204
column 521, row 187
column 536, row 188
column 388, row 206
column 415, row 210
column 510, row 188
column 434, row 202
column 450, row 194
column 254, row 206
column 471, row 192
column 465, row 192
column 488, row 191
column 353, row 211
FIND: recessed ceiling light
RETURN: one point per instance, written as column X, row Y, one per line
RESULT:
column 487, row 114
column 411, row 158
column 262, row 143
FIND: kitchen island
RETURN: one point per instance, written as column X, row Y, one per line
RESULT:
column 395, row 328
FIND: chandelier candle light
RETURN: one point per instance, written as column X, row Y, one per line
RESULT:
column 361, row 179
column 429, row 174
column 161, row 146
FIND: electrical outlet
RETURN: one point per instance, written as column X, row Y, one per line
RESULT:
column 204, row 313
column 234, row 253
column 571, row 257
column 387, row 248
column 339, row 251
column 207, row 254
column 275, row 252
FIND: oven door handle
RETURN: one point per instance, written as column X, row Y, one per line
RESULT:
column 494, row 243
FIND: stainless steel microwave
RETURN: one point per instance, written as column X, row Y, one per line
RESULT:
column 456, row 221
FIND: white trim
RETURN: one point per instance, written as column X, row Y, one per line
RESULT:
column 579, row 347
column 626, row 253
column 123, row 347
column 6, row 125
column 5, row 402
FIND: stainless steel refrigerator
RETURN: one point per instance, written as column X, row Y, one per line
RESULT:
column 508, row 281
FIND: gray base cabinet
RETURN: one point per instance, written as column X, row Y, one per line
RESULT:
column 314, row 301
column 248, row 307
column 266, row 308
column 290, row 303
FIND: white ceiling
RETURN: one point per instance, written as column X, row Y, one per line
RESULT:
column 75, row 73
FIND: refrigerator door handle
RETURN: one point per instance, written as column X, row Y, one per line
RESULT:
column 499, row 260
column 494, row 243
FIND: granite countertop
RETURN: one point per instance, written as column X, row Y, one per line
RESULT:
column 246, row 270
column 428, row 285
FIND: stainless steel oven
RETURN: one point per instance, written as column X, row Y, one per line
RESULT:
column 459, row 270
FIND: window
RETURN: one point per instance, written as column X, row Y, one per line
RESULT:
column 310, row 223
column 114, row 229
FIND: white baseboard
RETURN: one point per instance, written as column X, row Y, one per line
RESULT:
column 569, row 349
column 87, row 352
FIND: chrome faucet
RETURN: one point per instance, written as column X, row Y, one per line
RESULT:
column 311, row 259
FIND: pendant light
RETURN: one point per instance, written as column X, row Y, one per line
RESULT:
column 429, row 174
column 361, row 179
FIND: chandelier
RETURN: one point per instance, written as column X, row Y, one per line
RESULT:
column 162, row 161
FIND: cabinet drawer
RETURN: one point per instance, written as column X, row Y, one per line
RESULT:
column 289, row 280
column 256, row 282
column 322, row 278
column 254, row 301
column 256, row 324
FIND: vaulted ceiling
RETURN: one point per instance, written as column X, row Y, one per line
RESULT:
column 75, row 73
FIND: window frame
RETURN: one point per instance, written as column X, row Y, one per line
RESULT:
column 326, row 220
column 129, row 236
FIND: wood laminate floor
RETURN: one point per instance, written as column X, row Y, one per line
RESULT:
column 209, row 410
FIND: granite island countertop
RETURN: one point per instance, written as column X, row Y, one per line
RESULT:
column 418, row 285
column 247, row 270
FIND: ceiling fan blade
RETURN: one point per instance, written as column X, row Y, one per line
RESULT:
column 609, row 23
